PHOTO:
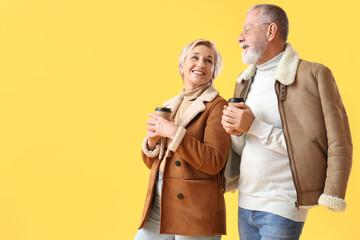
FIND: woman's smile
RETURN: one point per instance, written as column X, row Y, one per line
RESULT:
column 198, row 67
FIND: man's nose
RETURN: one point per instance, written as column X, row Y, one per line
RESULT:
column 241, row 38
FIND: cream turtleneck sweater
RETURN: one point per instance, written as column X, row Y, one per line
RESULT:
column 266, row 182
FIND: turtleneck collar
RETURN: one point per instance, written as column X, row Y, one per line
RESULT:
column 270, row 65
column 194, row 93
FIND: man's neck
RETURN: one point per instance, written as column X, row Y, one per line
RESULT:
column 272, row 51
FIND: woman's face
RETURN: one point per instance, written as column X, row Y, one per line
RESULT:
column 198, row 67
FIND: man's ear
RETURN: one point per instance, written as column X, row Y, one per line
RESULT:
column 271, row 31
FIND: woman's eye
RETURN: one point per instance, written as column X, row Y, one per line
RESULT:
column 209, row 61
column 195, row 57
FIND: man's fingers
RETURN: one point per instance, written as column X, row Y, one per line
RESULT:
column 241, row 105
column 233, row 112
column 233, row 116
column 228, row 113
column 229, row 119
column 227, row 129
column 227, row 126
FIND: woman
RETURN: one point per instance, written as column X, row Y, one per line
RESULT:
column 185, row 155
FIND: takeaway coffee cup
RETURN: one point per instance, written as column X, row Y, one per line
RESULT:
column 232, row 101
column 163, row 112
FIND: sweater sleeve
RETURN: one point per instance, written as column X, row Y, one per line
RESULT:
column 270, row 136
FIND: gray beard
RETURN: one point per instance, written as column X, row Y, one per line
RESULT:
column 255, row 52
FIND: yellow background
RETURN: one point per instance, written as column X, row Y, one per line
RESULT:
column 78, row 78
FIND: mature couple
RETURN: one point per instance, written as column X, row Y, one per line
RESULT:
column 286, row 149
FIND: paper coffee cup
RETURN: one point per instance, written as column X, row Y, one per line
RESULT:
column 232, row 101
column 163, row 112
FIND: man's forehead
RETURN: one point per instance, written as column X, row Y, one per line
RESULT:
column 251, row 19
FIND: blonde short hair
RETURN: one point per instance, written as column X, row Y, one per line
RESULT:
column 218, row 63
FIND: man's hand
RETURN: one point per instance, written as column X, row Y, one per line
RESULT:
column 237, row 120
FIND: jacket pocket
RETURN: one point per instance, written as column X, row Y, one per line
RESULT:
column 317, row 144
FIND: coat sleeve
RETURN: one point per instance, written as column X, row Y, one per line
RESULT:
column 210, row 155
column 339, row 142
column 149, row 155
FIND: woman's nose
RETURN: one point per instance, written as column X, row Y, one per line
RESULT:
column 200, row 64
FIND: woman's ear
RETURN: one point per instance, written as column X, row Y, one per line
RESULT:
column 181, row 69
column 212, row 78
column 271, row 31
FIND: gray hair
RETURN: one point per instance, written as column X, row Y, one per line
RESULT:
column 274, row 14
column 190, row 46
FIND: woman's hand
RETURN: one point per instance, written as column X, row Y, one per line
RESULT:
column 159, row 127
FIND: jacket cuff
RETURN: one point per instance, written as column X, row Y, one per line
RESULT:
column 150, row 152
column 258, row 127
column 332, row 203
column 177, row 139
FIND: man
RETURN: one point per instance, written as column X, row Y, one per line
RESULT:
column 291, row 134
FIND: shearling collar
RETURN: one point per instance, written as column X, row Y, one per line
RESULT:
column 195, row 108
column 286, row 70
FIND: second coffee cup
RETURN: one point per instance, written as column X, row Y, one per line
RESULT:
column 164, row 112
column 232, row 101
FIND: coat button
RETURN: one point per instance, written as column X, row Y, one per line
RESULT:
column 180, row 196
column 177, row 163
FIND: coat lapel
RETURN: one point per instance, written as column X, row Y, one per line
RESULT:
column 174, row 104
column 195, row 108
column 285, row 72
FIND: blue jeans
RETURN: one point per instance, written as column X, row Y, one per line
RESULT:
column 150, row 231
column 258, row 225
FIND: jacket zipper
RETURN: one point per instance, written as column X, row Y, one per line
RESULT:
column 287, row 140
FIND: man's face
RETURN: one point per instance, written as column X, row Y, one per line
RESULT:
column 253, row 39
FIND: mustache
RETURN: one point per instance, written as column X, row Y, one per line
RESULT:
column 243, row 44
